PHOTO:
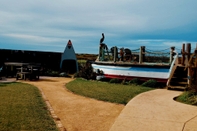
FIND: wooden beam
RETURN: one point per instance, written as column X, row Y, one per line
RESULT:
column 115, row 53
column 188, row 49
column 141, row 54
column 189, row 75
column 183, row 54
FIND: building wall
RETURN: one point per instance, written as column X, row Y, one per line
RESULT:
column 48, row 60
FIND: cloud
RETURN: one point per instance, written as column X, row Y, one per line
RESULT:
column 124, row 22
column 33, row 38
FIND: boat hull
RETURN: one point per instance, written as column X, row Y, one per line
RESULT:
column 159, row 73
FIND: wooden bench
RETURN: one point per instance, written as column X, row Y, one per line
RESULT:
column 23, row 75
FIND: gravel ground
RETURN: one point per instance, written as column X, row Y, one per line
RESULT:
column 77, row 113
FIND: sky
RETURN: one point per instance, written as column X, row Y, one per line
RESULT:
column 47, row 25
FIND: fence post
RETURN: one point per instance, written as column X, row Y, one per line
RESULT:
column 196, row 58
column 183, row 54
column 171, row 53
column 188, row 48
column 195, row 73
column 141, row 54
column 115, row 55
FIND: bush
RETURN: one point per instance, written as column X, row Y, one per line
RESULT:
column 115, row 80
column 134, row 81
column 150, row 83
column 85, row 71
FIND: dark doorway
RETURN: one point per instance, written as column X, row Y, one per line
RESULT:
column 69, row 66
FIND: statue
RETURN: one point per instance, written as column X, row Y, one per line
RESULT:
column 103, row 46
column 102, row 39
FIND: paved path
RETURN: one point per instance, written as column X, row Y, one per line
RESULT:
column 150, row 111
column 156, row 111
column 77, row 113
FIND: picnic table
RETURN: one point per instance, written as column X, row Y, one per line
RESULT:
column 24, row 70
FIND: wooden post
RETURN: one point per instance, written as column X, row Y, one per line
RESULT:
column 196, row 45
column 188, row 48
column 115, row 51
column 141, row 54
column 183, row 54
column 195, row 73
column 171, row 53
column 196, row 57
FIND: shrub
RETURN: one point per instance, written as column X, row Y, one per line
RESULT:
column 85, row 71
column 114, row 80
column 150, row 83
column 134, row 81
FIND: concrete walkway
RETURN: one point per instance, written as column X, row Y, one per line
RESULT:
column 156, row 111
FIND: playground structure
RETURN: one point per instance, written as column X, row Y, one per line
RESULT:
column 180, row 68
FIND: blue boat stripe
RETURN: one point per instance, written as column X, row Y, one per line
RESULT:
column 144, row 69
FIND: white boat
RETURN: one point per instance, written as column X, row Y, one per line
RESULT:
column 128, row 64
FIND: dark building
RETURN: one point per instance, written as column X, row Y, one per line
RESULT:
column 46, row 60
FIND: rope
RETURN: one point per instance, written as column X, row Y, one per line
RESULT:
column 135, row 50
column 167, row 49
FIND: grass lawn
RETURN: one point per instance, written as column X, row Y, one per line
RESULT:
column 115, row 93
column 188, row 97
column 22, row 108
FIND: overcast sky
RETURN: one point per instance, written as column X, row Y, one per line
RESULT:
column 47, row 25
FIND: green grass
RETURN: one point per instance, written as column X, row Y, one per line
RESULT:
column 115, row 93
column 22, row 108
column 188, row 97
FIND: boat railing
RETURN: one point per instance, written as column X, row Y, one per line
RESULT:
column 140, row 55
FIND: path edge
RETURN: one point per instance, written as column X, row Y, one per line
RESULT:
column 52, row 113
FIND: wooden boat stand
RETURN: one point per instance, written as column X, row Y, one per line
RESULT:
column 184, row 71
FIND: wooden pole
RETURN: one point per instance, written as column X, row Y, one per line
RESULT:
column 196, row 45
column 172, row 53
column 142, row 54
column 196, row 57
column 195, row 77
column 183, row 54
column 115, row 51
column 188, row 48
column 189, row 75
